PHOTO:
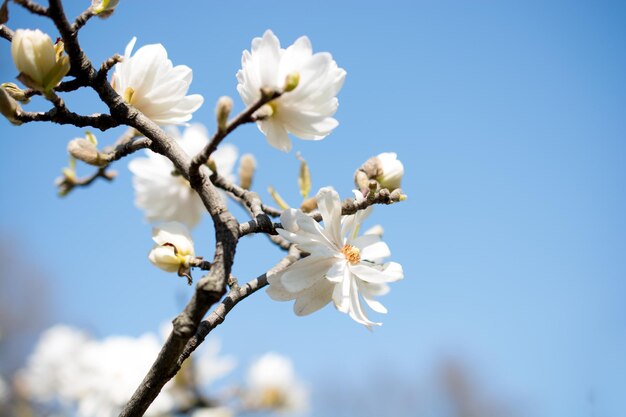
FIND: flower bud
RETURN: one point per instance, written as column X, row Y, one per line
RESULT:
column 17, row 93
column 222, row 111
column 9, row 107
column 390, row 172
column 247, row 166
column 291, row 82
column 104, row 8
column 42, row 64
column 174, row 247
column 84, row 149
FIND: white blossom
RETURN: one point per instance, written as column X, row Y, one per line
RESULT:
column 149, row 81
column 51, row 370
column 174, row 247
column 213, row 412
column 306, row 111
column 162, row 193
column 341, row 267
column 391, row 171
column 209, row 366
column 94, row 377
column 41, row 63
column 271, row 383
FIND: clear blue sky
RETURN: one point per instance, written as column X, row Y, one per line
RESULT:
column 510, row 118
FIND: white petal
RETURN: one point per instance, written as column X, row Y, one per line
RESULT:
column 313, row 298
column 305, row 272
column 329, row 205
column 374, row 275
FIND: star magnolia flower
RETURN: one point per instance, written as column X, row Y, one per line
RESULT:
column 174, row 247
column 42, row 64
column 307, row 110
column 341, row 266
column 391, row 171
column 150, row 82
column 166, row 196
column 271, row 384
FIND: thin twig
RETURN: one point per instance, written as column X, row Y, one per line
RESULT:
column 6, row 33
column 33, row 7
column 244, row 117
column 82, row 19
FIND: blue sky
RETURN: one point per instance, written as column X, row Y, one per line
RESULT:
column 509, row 118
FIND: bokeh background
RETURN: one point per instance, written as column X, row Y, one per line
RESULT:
column 510, row 118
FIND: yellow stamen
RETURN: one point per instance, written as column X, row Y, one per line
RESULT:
column 352, row 254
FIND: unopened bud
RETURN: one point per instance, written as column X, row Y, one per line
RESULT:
column 222, row 112
column 247, row 166
column 16, row 92
column 309, row 205
column 278, row 199
column 104, row 8
column 9, row 107
column 173, row 250
column 391, row 171
column 212, row 166
column 291, row 82
column 85, row 150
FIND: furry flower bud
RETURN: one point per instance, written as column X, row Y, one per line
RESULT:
column 9, row 107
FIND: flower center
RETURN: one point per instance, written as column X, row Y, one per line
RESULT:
column 352, row 254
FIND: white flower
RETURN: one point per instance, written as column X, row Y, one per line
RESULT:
column 42, row 64
column 307, row 111
column 150, row 82
column 111, row 371
column 391, row 171
column 213, row 412
column 209, row 365
column 94, row 378
column 341, row 267
column 174, row 247
column 272, row 384
column 164, row 195
column 50, row 370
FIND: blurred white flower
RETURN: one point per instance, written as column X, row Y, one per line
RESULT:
column 163, row 194
column 149, row 81
column 272, row 384
column 51, row 370
column 174, row 247
column 213, row 412
column 391, row 171
column 341, row 267
column 42, row 64
column 209, row 366
column 111, row 371
column 306, row 111
column 97, row 378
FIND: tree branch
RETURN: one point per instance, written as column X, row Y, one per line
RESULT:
column 6, row 33
column 82, row 19
column 245, row 116
column 233, row 297
column 33, row 7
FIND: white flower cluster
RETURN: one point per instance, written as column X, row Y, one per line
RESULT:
column 97, row 377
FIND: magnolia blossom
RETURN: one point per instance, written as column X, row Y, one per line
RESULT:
column 51, row 368
column 96, row 378
column 271, row 383
column 213, row 412
column 148, row 81
column 311, row 82
column 341, row 267
column 162, row 193
column 174, row 247
column 41, row 63
column 391, row 170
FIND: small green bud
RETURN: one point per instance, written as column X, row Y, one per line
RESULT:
column 291, row 82
column 16, row 92
column 9, row 107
